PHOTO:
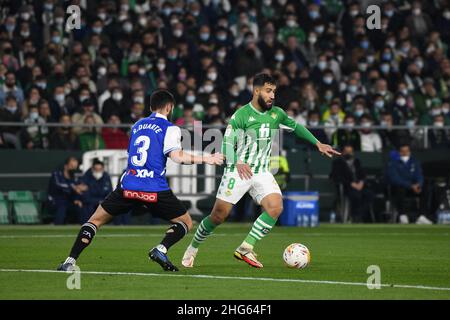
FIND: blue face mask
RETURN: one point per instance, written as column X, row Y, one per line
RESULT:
column 204, row 36
column 387, row 56
column 359, row 113
column 379, row 104
column 364, row 44
column 314, row 14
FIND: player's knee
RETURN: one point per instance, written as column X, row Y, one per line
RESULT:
column 217, row 217
column 275, row 211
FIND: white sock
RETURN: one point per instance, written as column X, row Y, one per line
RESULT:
column 161, row 248
column 70, row 260
column 246, row 245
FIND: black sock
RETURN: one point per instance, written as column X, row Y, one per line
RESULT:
column 85, row 236
column 174, row 234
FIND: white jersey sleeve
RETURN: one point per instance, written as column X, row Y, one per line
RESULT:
column 172, row 140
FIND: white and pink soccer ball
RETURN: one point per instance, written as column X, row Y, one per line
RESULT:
column 296, row 255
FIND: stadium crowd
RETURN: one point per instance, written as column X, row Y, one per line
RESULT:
column 331, row 69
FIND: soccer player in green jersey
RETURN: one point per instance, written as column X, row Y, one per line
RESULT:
column 247, row 148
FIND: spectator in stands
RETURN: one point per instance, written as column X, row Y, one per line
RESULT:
column 9, row 112
column 35, row 135
column 90, row 138
column 11, row 88
column 115, row 138
column 87, row 111
column 404, row 175
column 313, row 122
column 391, row 138
column 370, row 140
column 65, row 191
column 64, row 138
column 347, row 135
column 348, row 172
column 438, row 137
column 98, row 184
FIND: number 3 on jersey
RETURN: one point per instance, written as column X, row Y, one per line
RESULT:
column 142, row 151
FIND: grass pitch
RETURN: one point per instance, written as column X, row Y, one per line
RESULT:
column 414, row 263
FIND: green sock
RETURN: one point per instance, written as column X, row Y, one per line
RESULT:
column 205, row 228
column 260, row 228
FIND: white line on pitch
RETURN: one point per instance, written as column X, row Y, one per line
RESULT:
column 205, row 276
column 136, row 235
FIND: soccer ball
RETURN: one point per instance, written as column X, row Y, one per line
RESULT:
column 296, row 255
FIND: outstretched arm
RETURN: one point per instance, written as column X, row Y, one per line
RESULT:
column 303, row 133
column 183, row 157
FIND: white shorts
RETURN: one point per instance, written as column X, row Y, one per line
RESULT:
column 232, row 188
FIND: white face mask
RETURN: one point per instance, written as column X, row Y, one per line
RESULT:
column 439, row 124
column 405, row 159
column 97, row 175
column 117, row 96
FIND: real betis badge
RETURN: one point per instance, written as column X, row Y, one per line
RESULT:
column 273, row 115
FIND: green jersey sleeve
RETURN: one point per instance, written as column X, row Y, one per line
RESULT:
column 230, row 138
column 299, row 130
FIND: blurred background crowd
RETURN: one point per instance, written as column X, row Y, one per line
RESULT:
column 331, row 69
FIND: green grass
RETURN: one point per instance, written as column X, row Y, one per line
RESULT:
column 407, row 255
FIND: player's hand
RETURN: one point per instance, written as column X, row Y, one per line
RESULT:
column 214, row 159
column 327, row 150
column 244, row 170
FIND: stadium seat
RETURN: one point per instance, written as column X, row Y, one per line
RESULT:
column 24, row 207
column 4, row 212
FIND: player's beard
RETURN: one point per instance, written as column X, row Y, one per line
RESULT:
column 263, row 104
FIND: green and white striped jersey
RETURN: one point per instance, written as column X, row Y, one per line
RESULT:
column 250, row 133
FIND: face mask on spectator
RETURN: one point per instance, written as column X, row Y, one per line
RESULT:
column 354, row 13
column 267, row 2
column 10, row 27
column 447, row 15
column 204, row 36
column 101, row 71
column 314, row 123
column 291, row 23
column 362, row 67
column 319, row 29
column 328, row 96
column 327, row 79
column 212, row 76
column 48, row 6
column 385, row 68
column 279, row 57
column 97, row 30
column 117, row 96
column 41, row 85
column 208, row 88
column 322, row 65
column 25, row 16
column 128, row 27
column 383, row 123
column 359, row 112
column 312, row 40
column 11, row 109
column 59, row 21
column 435, row 112
column 167, row 11
column 102, row 16
column 222, row 36
column 178, row 33
column 401, row 102
column 56, row 39
column 83, row 98
column 389, row 13
column 379, row 104
column 387, row 56
column 349, row 124
column 314, row 14
column 138, row 99
column 410, row 123
column 405, row 159
column 34, row 115
column 417, row 11
column 439, row 124
column 60, row 97
column 364, row 44
column 25, row 34
column 97, row 175
column 352, row 88
column 445, row 110
column 161, row 66
column 419, row 64
column 190, row 99
column 391, row 43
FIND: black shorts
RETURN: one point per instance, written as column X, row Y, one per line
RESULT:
column 167, row 206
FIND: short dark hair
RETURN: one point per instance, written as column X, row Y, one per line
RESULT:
column 160, row 98
column 261, row 78
column 97, row 161
column 70, row 158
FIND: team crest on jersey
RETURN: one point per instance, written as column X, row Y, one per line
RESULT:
column 228, row 193
column 273, row 115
